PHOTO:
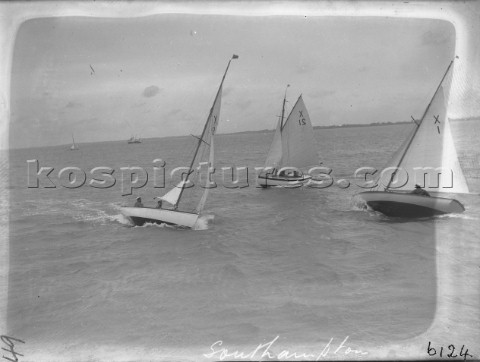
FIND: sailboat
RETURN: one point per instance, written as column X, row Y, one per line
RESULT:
column 134, row 139
column 185, row 208
column 426, row 161
column 73, row 147
column 293, row 147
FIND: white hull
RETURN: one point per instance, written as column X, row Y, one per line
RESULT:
column 142, row 215
column 409, row 205
column 279, row 181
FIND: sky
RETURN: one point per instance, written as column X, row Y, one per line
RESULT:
column 157, row 76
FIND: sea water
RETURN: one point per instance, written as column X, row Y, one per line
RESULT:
column 304, row 265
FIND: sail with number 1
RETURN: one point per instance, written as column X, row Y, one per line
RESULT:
column 425, row 166
column 292, row 148
column 183, row 204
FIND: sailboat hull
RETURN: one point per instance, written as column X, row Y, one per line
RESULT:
column 409, row 205
column 279, row 181
column 141, row 215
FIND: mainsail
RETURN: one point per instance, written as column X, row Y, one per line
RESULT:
column 428, row 157
column 293, row 143
column 191, row 197
column 298, row 143
column 212, row 125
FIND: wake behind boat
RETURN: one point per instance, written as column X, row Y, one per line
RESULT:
column 186, row 202
column 292, row 148
column 429, row 150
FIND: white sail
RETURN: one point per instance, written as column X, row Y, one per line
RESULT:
column 429, row 158
column 74, row 146
column 274, row 156
column 184, row 199
column 172, row 196
column 298, row 143
column 208, row 139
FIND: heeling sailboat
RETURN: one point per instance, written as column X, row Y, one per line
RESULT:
column 292, row 148
column 185, row 207
column 426, row 160
column 73, row 147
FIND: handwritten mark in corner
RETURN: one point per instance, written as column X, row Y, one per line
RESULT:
column 10, row 343
column 440, row 351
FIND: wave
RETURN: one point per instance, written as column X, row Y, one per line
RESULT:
column 457, row 216
column 203, row 221
column 79, row 210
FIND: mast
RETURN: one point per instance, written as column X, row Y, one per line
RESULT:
column 200, row 139
column 283, row 106
column 418, row 126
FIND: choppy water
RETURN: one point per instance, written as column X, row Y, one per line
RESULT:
column 302, row 264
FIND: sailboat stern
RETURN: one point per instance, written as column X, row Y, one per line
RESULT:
column 409, row 205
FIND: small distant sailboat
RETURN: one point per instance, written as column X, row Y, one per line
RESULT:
column 186, row 208
column 429, row 147
column 73, row 147
column 292, row 148
column 134, row 139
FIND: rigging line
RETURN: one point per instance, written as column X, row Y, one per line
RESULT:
column 198, row 138
column 291, row 111
column 418, row 126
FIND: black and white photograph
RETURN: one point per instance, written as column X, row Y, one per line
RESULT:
column 239, row 180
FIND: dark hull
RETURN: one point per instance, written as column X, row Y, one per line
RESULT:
column 399, row 209
column 406, row 205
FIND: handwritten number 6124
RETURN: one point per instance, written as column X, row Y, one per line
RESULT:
column 433, row 351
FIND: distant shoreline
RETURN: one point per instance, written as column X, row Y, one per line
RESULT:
column 348, row 125
column 353, row 125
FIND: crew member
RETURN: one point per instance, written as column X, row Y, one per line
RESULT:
column 138, row 203
column 419, row 191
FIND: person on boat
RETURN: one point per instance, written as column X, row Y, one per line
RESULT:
column 420, row 191
column 138, row 203
column 159, row 204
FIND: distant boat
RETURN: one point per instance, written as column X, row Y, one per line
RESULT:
column 134, row 139
column 73, row 147
column 292, row 148
column 185, row 207
column 430, row 145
